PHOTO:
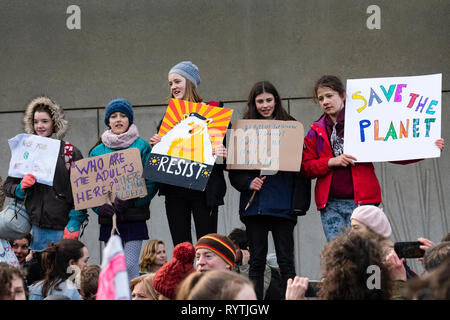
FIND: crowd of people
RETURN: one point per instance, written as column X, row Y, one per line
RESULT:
column 359, row 260
column 215, row 269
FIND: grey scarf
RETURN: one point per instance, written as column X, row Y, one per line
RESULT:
column 120, row 141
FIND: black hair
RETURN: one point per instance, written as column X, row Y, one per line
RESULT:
column 239, row 237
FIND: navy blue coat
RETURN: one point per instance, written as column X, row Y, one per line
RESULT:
column 285, row 194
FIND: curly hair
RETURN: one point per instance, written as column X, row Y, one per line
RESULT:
column 434, row 285
column 89, row 281
column 434, row 256
column 6, row 277
column 346, row 261
column 148, row 256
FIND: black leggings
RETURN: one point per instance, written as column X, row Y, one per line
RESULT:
column 180, row 205
column 257, row 228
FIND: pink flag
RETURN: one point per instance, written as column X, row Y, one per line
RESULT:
column 113, row 283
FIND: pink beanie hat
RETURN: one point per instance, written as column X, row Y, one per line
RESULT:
column 374, row 218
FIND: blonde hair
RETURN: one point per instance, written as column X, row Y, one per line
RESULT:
column 147, row 281
column 190, row 93
column 213, row 285
column 148, row 256
column 89, row 282
column 188, row 284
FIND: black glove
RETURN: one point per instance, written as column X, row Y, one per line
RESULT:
column 106, row 210
column 122, row 206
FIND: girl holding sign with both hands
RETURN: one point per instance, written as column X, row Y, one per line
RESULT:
column 51, row 208
column 183, row 79
column 273, row 207
column 132, row 214
column 342, row 185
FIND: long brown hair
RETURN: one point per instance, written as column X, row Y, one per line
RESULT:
column 55, row 260
column 265, row 87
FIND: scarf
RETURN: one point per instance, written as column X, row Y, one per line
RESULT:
column 120, row 141
column 335, row 133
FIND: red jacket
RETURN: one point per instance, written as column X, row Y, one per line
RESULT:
column 317, row 152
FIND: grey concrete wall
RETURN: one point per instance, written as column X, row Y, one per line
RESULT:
column 125, row 49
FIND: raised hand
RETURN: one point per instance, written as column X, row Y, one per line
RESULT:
column 296, row 288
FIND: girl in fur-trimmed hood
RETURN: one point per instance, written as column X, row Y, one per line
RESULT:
column 51, row 208
column 60, row 125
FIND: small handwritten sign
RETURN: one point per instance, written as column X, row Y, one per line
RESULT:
column 33, row 154
column 119, row 172
column 265, row 144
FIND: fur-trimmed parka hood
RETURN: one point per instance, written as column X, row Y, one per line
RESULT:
column 60, row 124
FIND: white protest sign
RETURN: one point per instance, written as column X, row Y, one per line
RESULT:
column 33, row 154
column 388, row 119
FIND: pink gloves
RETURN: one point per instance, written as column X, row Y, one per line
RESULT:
column 28, row 180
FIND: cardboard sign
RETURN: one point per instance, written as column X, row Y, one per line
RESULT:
column 33, row 154
column 265, row 144
column 389, row 119
column 189, row 133
column 118, row 172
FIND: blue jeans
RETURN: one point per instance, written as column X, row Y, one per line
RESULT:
column 336, row 216
column 43, row 237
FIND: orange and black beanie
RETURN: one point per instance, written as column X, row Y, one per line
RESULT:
column 220, row 245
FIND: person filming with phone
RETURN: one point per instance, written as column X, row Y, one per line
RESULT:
column 372, row 221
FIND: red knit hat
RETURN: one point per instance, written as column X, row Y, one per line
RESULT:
column 173, row 272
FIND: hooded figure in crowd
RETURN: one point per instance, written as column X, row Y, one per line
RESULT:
column 51, row 208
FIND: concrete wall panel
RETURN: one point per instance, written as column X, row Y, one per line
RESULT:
column 125, row 48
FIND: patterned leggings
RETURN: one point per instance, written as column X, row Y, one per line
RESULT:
column 132, row 253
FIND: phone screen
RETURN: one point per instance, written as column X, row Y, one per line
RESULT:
column 313, row 288
column 409, row 249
